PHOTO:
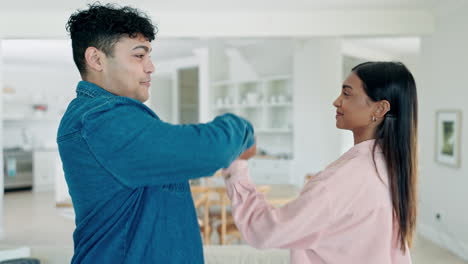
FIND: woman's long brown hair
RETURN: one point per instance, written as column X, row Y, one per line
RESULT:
column 397, row 137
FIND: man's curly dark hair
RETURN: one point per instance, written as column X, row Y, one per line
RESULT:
column 102, row 26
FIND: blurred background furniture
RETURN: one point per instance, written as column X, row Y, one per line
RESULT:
column 202, row 204
column 214, row 207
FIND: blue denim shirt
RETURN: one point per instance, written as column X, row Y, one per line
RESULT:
column 127, row 172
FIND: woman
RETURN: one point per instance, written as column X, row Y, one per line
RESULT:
column 362, row 207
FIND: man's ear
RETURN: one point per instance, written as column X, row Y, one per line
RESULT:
column 94, row 59
column 382, row 107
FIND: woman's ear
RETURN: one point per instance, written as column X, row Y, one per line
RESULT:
column 93, row 58
column 382, row 107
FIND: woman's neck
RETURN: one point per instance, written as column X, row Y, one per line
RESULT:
column 361, row 136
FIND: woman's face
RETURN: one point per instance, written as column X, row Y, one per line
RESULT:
column 353, row 107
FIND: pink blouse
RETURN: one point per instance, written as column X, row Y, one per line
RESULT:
column 344, row 214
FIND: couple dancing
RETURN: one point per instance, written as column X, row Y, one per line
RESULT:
column 128, row 171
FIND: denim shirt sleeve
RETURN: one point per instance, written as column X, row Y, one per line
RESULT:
column 139, row 149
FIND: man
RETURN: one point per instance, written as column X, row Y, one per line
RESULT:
column 127, row 170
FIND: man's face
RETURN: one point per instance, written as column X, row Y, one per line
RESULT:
column 128, row 71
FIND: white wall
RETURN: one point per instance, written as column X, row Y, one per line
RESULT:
column 161, row 97
column 270, row 56
column 1, row 142
column 45, row 78
column 443, row 85
column 51, row 84
column 249, row 23
column 317, row 82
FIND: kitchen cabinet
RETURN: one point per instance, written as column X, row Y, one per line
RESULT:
column 270, row 171
column 266, row 103
column 45, row 162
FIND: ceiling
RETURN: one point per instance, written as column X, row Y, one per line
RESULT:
column 227, row 5
column 26, row 51
column 391, row 45
column 60, row 51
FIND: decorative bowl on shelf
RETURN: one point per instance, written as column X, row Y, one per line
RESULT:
column 281, row 99
column 252, row 98
column 219, row 102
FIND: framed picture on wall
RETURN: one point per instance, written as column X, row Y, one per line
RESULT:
column 448, row 133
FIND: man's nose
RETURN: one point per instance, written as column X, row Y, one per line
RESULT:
column 149, row 67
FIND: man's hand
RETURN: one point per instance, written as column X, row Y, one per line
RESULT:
column 249, row 153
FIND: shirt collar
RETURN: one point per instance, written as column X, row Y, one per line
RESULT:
column 91, row 90
column 363, row 147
